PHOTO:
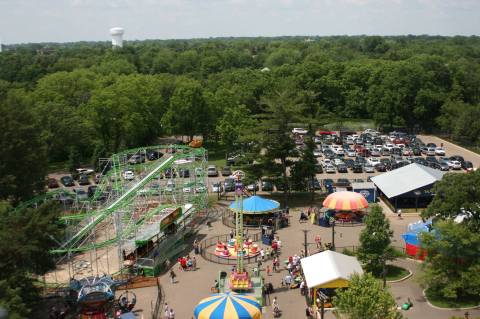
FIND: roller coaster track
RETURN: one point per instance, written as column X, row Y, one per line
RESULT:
column 99, row 216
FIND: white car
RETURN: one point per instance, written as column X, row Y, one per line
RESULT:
column 373, row 161
column 389, row 146
column 376, row 152
column 455, row 165
column 128, row 175
column 368, row 168
column 440, row 151
column 317, row 140
column 430, row 151
column 330, row 169
column 317, row 153
column 351, row 153
column 85, row 171
column 217, row 187
column 187, row 187
column 337, row 162
column 339, row 151
column 371, row 132
column 299, row 130
column 326, row 162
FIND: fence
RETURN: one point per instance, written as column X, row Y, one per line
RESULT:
column 209, row 242
column 156, row 311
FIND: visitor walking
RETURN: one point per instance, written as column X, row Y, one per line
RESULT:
column 172, row 276
column 194, row 263
column 318, row 241
column 171, row 314
column 268, row 270
column 262, row 254
column 231, row 233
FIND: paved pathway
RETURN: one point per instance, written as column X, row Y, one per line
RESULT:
column 192, row 286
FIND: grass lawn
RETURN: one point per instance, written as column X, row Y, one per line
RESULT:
column 396, row 273
column 441, row 302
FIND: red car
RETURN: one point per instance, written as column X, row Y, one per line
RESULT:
column 52, row 183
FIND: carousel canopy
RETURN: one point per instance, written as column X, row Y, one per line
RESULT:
column 228, row 306
column 255, row 204
column 345, row 201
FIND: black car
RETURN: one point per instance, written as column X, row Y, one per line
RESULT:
column 380, row 168
column 154, row 155
column 343, row 182
column 342, row 168
column 280, row 186
column 91, row 190
column 267, row 186
column 431, row 159
column 386, row 162
column 170, row 173
column 229, row 185
column 431, row 145
column 349, row 162
column 67, row 181
column 316, row 184
column 226, row 171
column 357, row 168
column 467, row 165
column 183, row 172
column 83, row 180
column 318, row 168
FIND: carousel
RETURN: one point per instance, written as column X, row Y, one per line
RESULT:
column 228, row 305
column 344, row 207
column 257, row 211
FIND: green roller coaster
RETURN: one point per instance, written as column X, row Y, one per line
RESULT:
column 127, row 210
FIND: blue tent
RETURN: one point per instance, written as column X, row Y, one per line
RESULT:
column 256, row 205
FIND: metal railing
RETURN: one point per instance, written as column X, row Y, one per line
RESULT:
column 205, row 246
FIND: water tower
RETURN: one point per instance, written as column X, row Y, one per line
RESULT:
column 117, row 37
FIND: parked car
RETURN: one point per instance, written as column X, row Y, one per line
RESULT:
column 252, row 187
column 153, row 155
column 226, row 171
column 299, row 130
column 64, row 199
column 198, row 171
column 170, row 187
column 67, row 181
column 468, row 166
column 373, row 161
column 83, row 180
column 187, row 187
column 80, row 195
column 456, row 165
column 349, row 162
column 136, row 159
column 431, row 145
column 85, row 171
column 52, row 183
column 440, row 151
column 444, row 166
column 430, row 151
column 129, row 175
column 317, row 152
column 200, row 188
column 342, row 168
column 368, row 168
column 217, row 187
column 342, row 182
column 416, row 151
column 91, row 190
column 376, row 152
column 357, row 168
column 330, row 169
column 229, row 185
column 380, row 168
column 267, row 186
column 184, row 172
column 212, row 171
column 170, row 173
column 457, row 158
column 316, row 184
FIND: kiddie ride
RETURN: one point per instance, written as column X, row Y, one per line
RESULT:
column 95, row 299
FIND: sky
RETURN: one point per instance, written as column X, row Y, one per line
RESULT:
column 24, row 21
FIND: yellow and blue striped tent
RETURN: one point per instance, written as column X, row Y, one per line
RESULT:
column 228, row 305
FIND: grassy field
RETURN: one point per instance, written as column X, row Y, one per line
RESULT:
column 441, row 302
column 396, row 273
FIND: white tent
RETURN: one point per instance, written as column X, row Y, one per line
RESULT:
column 329, row 269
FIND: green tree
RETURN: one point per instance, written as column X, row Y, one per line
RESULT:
column 457, row 194
column 26, row 237
column 233, row 125
column 452, row 264
column 23, row 158
column 365, row 299
column 274, row 133
column 375, row 240
column 74, row 159
column 304, row 169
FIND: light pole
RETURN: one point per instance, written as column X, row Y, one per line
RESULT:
column 305, row 243
column 332, row 222
column 417, row 195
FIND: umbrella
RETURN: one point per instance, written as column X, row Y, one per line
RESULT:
column 228, row 306
column 255, row 204
column 349, row 201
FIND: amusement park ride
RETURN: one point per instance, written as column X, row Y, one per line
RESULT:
column 131, row 224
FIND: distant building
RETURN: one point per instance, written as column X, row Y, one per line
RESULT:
column 117, row 37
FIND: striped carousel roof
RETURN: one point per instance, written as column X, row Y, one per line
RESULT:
column 349, row 201
column 228, row 306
